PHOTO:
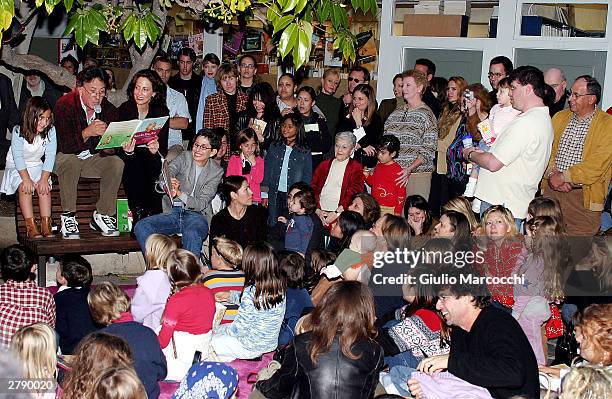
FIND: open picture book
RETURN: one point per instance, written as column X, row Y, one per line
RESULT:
column 143, row 131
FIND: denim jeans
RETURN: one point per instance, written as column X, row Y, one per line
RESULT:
column 399, row 376
column 403, row 359
column 192, row 225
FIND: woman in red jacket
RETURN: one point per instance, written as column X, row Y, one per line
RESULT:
column 336, row 180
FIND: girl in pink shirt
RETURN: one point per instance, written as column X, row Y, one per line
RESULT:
column 248, row 163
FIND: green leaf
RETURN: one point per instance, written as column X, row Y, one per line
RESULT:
column 357, row 4
column 50, row 5
column 290, row 5
column 39, row 3
column 98, row 20
column 273, row 13
column 327, row 10
column 336, row 16
column 128, row 28
column 80, row 27
column 288, row 40
column 140, row 36
column 281, row 23
column 68, row 4
column 308, row 14
column 300, row 6
column 7, row 11
column 301, row 49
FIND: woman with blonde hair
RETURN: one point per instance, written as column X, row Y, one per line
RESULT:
column 118, row 383
column 447, row 126
column 587, row 382
column 95, row 353
column 110, row 307
column 462, row 205
column 34, row 346
column 337, row 356
column 153, row 286
column 502, row 248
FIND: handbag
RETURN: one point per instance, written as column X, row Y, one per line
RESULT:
column 554, row 325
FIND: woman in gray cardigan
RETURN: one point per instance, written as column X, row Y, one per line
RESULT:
column 194, row 179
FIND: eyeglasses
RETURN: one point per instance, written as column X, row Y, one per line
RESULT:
column 578, row 95
column 201, row 147
column 497, row 75
column 95, row 93
column 356, row 80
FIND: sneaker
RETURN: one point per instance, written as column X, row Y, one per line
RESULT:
column 476, row 206
column 470, row 188
column 70, row 226
column 106, row 225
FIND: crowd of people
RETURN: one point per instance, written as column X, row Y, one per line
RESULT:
column 284, row 201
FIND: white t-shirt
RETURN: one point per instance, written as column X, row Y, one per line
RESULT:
column 524, row 149
column 177, row 105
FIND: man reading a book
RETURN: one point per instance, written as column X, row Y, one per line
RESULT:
column 81, row 117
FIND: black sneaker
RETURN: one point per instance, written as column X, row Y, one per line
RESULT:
column 70, row 226
column 105, row 224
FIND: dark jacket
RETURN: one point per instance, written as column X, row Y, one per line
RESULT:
column 387, row 106
column 70, row 121
column 299, row 169
column 73, row 320
column 51, row 94
column 271, row 132
column 432, row 102
column 149, row 360
column 9, row 116
column 333, row 376
column 191, row 90
column 129, row 111
column 373, row 133
column 319, row 139
column 495, row 354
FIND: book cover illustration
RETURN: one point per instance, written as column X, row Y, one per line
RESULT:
column 143, row 131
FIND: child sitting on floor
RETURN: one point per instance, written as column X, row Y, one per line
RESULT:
column 293, row 268
column 34, row 346
column 225, row 275
column 73, row 318
column 262, row 308
column 153, row 286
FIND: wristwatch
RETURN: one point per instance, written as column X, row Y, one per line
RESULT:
column 470, row 156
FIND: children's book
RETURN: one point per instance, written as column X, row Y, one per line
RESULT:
column 143, row 131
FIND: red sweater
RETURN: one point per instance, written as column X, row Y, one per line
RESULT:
column 352, row 182
column 192, row 310
column 384, row 188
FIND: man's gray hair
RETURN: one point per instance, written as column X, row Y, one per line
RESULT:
column 348, row 136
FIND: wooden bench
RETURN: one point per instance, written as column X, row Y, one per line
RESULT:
column 91, row 241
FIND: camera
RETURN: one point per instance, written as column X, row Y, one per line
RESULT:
column 468, row 94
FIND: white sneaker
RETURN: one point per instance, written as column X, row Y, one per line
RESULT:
column 470, row 188
column 70, row 226
column 476, row 206
column 106, row 225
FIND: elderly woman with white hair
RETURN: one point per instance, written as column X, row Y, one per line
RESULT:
column 336, row 180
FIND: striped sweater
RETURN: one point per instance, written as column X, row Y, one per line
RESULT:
column 417, row 131
column 256, row 329
column 225, row 280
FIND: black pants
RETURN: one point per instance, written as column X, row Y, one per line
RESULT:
column 438, row 194
column 140, row 174
column 456, row 188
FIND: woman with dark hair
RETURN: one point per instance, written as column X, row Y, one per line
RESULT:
column 475, row 106
column 286, row 88
column 416, row 212
column 447, row 127
column 366, row 206
column 317, row 134
column 261, row 114
column 146, row 99
column 240, row 220
column 280, row 174
column 456, row 227
column 365, row 124
column 337, row 355
column 348, row 223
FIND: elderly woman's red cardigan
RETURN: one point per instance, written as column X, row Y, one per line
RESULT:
column 352, row 183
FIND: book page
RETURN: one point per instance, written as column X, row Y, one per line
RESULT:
column 117, row 133
column 149, row 129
